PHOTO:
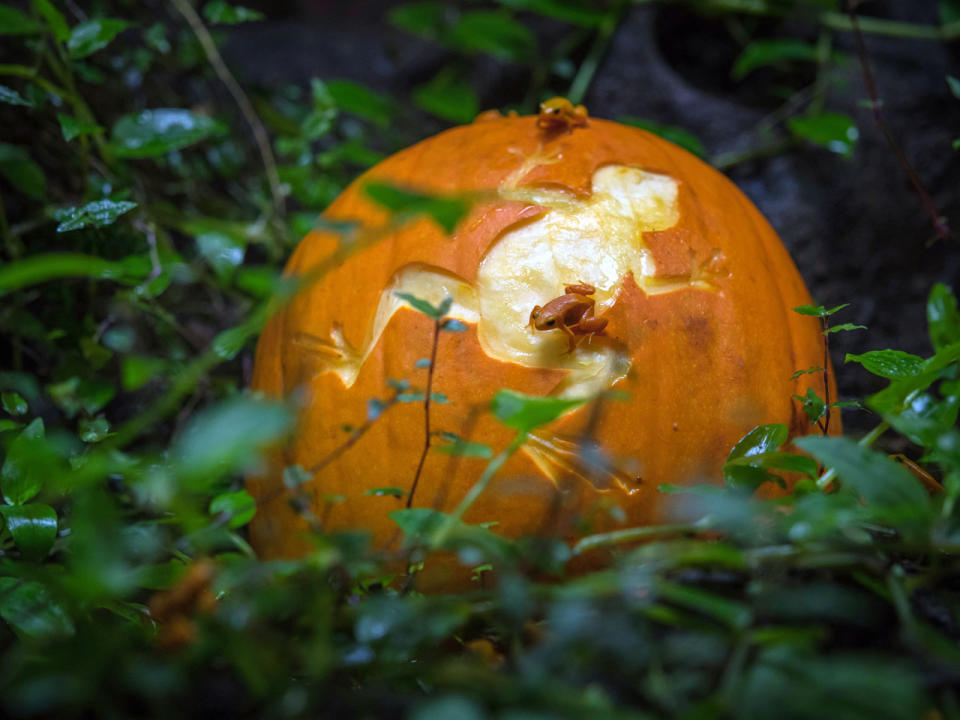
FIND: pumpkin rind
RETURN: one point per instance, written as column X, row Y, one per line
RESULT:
column 706, row 362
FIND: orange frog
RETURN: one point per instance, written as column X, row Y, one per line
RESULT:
column 572, row 313
column 560, row 114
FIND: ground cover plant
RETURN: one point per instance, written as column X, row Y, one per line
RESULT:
column 147, row 202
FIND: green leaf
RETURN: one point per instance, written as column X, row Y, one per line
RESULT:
column 92, row 35
column 87, row 394
column 678, row 136
column 227, row 437
column 11, row 96
column 835, row 131
column 14, row 22
column 447, row 211
column 495, row 34
column 448, row 96
column 426, row 19
column 13, row 403
column 456, row 445
column 760, row 53
column 888, row 363
column 943, row 317
column 30, row 610
column 386, row 492
column 223, row 252
column 359, row 100
column 22, row 172
column 22, row 473
column 50, row 266
column 807, row 371
column 137, row 371
column 844, row 327
column 98, row 213
column 576, row 12
column 151, row 133
column 527, row 412
column 949, row 11
column 875, row 477
column 891, row 398
column 231, row 341
column 54, row 19
column 93, row 430
column 818, row 310
column 222, row 12
column 72, row 128
column 33, row 528
column 239, row 507
column 954, row 85
column 762, row 439
column 420, row 305
column 813, row 405
column 156, row 37
column 421, row 524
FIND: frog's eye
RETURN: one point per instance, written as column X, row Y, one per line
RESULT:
column 551, row 322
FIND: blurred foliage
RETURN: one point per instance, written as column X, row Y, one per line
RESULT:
column 147, row 202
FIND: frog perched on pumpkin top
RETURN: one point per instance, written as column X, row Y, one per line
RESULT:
column 571, row 312
column 559, row 114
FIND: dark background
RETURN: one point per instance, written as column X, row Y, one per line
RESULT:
column 856, row 228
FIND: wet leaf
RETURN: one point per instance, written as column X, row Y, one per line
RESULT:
column 33, row 528
column 819, row 310
column 92, row 35
column 888, row 363
column 420, row 305
column 843, row 327
column 30, row 610
column 24, row 468
column 13, row 403
column 386, row 492
column 99, row 213
column 813, row 405
column 93, row 430
column 151, row 133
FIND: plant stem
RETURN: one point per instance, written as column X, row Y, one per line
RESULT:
column 588, row 68
column 243, row 102
column 426, row 410
column 825, row 427
column 867, row 440
column 940, row 226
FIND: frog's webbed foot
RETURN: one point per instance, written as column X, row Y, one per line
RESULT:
column 334, row 355
column 559, row 457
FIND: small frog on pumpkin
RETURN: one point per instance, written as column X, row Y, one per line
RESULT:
column 571, row 312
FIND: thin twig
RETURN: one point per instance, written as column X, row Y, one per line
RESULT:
column 940, row 226
column 825, row 426
column 437, row 322
column 243, row 102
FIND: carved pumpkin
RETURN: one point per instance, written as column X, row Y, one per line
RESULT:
column 695, row 286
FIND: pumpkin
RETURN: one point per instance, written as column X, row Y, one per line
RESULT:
column 700, row 342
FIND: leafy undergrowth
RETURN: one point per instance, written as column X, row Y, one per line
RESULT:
column 142, row 236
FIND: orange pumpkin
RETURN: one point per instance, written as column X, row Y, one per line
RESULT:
column 694, row 284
